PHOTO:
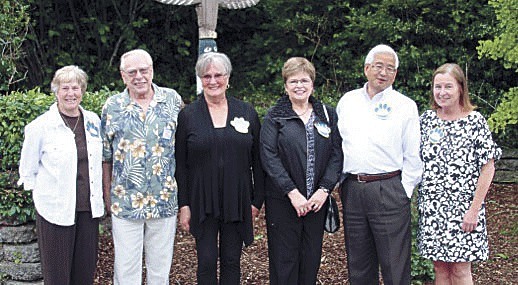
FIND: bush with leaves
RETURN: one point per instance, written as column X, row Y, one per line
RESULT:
column 504, row 47
column 14, row 24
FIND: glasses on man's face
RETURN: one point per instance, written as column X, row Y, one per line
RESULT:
column 295, row 82
column 133, row 72
column 378, row 67
column 217, row 77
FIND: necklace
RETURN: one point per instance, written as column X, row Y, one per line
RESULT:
column 303, row 113
column 66, row 123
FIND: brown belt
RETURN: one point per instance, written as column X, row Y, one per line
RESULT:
column 373, row 177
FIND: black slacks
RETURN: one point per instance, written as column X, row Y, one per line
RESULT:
column 229, row 252
column 377, row 231
column 68, row 253
column 294, row 244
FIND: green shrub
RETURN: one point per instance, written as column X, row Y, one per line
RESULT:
column 16, row 110
column 15, row 204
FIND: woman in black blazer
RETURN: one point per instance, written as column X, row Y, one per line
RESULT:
column 219, row 174
column 302, row 156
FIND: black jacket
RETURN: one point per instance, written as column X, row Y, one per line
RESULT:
column 222, row 189
column 284, row 150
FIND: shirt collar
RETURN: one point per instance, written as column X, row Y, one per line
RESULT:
column 158, row 97
column 378, row 96
column 55, row 117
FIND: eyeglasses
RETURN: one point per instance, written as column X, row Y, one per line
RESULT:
column 133, row 72
column 217, row 77
column 379, row 67
column 295, row 82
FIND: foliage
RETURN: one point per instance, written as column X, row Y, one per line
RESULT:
column 14, row 23
column 504, row 47
column 16, row 111
column 506, row 112
column 15, row 203
column 505, row 44
column 94, row 34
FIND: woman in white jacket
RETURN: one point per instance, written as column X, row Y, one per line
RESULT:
column 61, row 163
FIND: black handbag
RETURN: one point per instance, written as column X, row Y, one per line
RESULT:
column 332, row 223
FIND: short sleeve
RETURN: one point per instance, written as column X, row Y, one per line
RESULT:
column 486, row 148
column 106, row 133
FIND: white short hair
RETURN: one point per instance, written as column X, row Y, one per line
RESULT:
column 139, row 52
column 381, row 49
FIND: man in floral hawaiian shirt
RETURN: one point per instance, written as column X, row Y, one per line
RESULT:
column 138, row 130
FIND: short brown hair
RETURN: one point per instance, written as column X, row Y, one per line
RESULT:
column 456, row 72
column 295, row 65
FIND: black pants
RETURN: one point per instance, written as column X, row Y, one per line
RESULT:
column 68, row 253
column 230, row 246
column 377, row 231
column 294, row 244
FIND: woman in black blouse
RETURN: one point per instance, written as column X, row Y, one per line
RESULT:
column 302, row 156
column 219, row 174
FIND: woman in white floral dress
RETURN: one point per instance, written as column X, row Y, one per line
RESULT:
column 458, row 154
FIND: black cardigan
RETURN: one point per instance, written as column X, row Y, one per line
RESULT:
column 284, row 150
column 197, row 174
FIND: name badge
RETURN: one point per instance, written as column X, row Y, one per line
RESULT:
column 382, row 111
column 92, row 129
column 436, row 135
column 168, row 133
column 323, row 129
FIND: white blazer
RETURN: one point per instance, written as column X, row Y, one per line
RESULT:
column 48, row 166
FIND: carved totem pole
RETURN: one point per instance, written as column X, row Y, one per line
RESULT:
column 207, row 12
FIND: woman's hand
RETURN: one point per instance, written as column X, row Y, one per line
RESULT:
column 299, row 203
column 317, row 200
column 470, row 220
column 185, row 218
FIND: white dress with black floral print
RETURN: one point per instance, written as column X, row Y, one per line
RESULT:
column 453, row 153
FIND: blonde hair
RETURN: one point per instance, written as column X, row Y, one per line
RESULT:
column 456, row 72
column 295, row 65
column 67, row 74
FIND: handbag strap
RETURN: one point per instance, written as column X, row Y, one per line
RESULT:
column 325, row 112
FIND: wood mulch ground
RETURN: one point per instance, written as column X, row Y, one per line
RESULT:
column 499, row 269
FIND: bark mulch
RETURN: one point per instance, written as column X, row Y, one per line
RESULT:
column 499, row 269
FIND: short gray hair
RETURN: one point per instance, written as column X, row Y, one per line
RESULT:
column 381, row 49
column 216, row 58
column 67, row 74
column 139, row 52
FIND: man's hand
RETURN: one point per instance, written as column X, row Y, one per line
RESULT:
column 185, row 218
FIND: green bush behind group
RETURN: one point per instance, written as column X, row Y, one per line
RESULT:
column 39, row 36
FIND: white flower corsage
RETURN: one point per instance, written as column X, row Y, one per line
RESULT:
column 240, row 124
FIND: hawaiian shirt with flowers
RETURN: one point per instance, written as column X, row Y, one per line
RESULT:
column 141, row 148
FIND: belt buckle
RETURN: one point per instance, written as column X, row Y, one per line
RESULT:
column 359, row 180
